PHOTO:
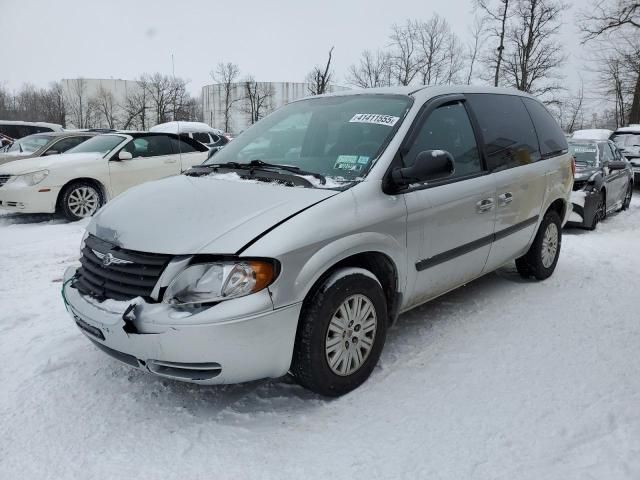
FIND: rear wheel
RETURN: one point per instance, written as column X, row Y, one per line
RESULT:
column 541, row 259
column 627, row 198
column 342, row 331
column 80, row 200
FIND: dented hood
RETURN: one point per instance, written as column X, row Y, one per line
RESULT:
column 187, row 215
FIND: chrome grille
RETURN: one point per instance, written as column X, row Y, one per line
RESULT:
column 4, row 179
column 109, row 271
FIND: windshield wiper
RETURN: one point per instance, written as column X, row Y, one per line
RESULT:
column 260, row 165
column 288, row 168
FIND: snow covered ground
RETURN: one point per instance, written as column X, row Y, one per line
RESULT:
column 502, row 379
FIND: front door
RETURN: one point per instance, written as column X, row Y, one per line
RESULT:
column 153, row 159
column 450, row 222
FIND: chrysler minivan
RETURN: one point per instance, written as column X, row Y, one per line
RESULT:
column 297, row 246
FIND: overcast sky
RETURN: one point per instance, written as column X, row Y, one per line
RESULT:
column 277, row 40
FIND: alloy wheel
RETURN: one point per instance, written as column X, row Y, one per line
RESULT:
column 83, row 201
column 549, row 245
column 350, row 335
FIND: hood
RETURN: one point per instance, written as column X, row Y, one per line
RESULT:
column 187, row 215
column 584, row 172
column 11, row 156
column 20, row 166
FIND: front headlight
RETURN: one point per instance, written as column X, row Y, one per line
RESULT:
column 214, row 282
column 32, row 178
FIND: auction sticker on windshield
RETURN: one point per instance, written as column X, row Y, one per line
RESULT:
column 376, row 118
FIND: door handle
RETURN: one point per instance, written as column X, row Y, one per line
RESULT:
column 484, row 205
column 506, row 198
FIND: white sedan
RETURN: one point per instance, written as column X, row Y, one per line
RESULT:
column 80, row 181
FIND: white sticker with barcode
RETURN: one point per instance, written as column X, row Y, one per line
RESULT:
column 378, row 119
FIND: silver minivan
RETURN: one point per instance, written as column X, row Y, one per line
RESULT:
column 297, row 246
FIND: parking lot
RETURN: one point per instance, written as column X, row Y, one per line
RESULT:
column 503, row 378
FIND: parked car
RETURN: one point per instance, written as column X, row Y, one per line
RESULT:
column 198, row 131
column 78, row 182
column 628, row 141
column 298, row 244
column 18, row 129
column 43, row 144
column 603, row 181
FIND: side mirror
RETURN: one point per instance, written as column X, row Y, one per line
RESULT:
column 617, row 165
column 51, row 152
column 123, row 155
column 430, row 165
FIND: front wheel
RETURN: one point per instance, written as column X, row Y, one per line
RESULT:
column 80, row 200
column 342, row 330
column 541, row 259
column 600, row 213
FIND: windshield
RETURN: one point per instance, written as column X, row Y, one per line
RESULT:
column 626, row 139
column 102, row 144
column 29, row 144
column 584, row 153
column 337, row 137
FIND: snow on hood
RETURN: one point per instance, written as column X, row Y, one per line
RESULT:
column 592, row 134
column 187, row 215
column 184, row 127
column 18, row 167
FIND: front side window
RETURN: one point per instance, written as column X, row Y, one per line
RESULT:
column 337, row 136
column 585, row 153
column 152, row 146
column 65, row 144
column 201, row 137
column 180, row 146
column 102, row 144
column 605, row 151
column 509, row 137
column 448, row 128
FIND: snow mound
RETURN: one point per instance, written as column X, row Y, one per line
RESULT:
column 185, row 127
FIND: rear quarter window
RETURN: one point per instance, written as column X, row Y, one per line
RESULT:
column 550, row 136
column 507, row 130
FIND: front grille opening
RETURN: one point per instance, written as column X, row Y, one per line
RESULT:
column 110, row 272
column 579, row 185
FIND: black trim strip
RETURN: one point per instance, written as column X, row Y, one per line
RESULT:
column 471, row 246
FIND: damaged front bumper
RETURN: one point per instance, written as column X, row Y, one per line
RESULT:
column 234, row 341
column 584, row 205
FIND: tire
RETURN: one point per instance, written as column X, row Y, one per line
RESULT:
column 541, row 259
column 600, row 213
column 627, row 199
column 323, row 338
column 80, row 200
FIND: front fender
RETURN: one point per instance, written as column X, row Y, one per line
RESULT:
column 295, row 282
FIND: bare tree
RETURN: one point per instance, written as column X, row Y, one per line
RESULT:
column 604, row 18
column 77, row 102
column 575, row 111
column 606, row 15
column 478, row 35
column 226, row 74
column 257, row 99
column 166, row 96
column 497, row 15
column 106, row 105
column 319, row 78
column 405, row 55
column 135, row 109
column 373, row 70
column 439, row 51
column 535, row 56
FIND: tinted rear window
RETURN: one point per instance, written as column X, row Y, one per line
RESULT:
column 550, row 135
column 18, row 130
column 509, row 137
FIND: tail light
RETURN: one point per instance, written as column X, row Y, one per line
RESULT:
column 573, row 166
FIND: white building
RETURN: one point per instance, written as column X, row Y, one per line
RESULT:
column 281, row 93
